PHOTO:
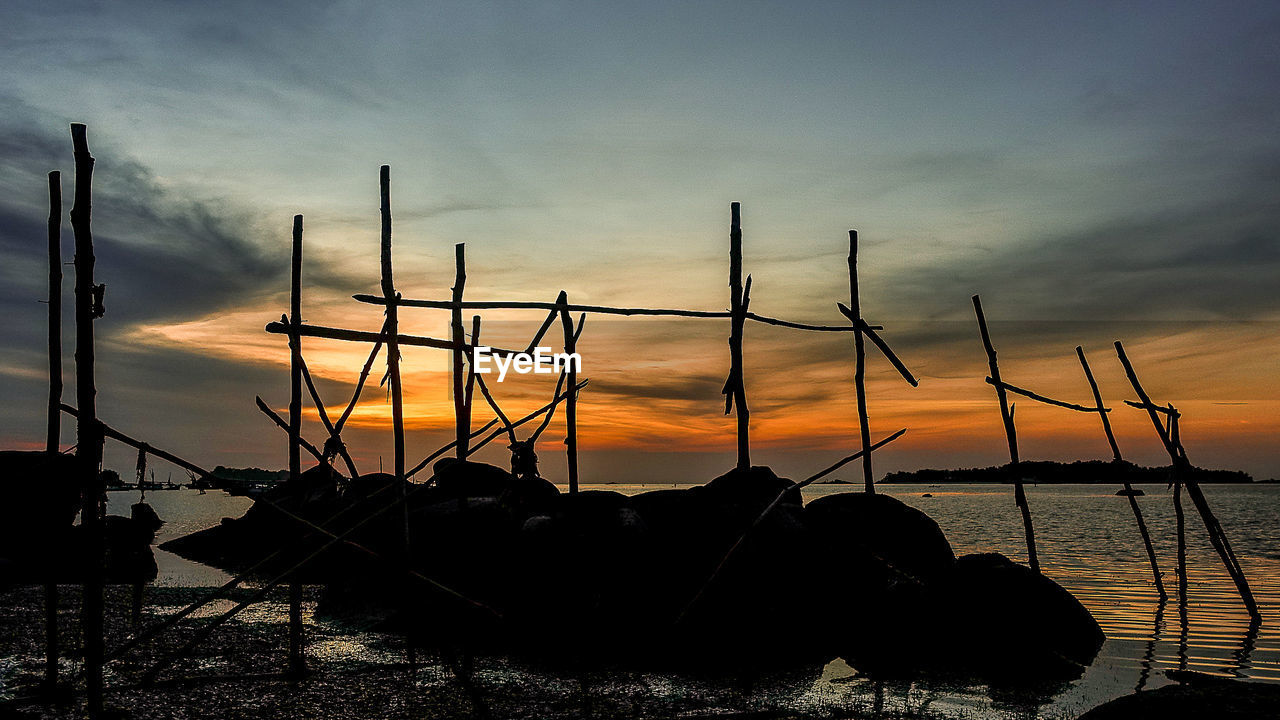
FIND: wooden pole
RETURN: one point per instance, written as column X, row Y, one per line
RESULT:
column 392, row 325
column 54, row 429
column 1180, row 523
column 735, row 388
column 860, row 364
column 297, row 662
column 1011, row 434
column 571, row 403
column 461, row 414
column 1115, row 452
column 88, row 431
column 1181, row 466
column 469, row 391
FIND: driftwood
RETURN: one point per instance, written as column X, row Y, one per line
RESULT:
column 1128, row 489
column 54, row 420
column 88, row 430
column 860, row 363
column 1178, row 458
column 1011, row 434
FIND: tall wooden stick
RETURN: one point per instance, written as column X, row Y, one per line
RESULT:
column 469, row 392
column 392, row 325
column 571, row 403
column 735, row 388
column 1115, row 451
column 461, row 413
column 1178, row 457
column 860, row 364
column 54, row 429
column 1011, row 434
column 297, row 662
column 88, row 431
column 1180, row 523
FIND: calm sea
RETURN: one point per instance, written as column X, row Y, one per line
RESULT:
column 1087, row 542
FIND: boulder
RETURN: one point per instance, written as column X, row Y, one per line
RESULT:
column 999, row 618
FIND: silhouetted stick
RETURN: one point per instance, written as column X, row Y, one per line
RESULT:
column 1179, row 526
column 600, row 309
column 334, row 435
column 54, row 419
column 1178, row 457
column 860, row 363
column 551, row 410
column 870, row 332
column 297, row 662
column 88, row 430
column 1047, row 400
column 114, row 434
column 364, row 336
column 393, row 338
column 1159, row 409
column 735, row 388
column 542, row 329
column 284, row 425
column 364, row 377
column 1006, row 415
column 502, row 417
column 469, row 392
column 536, row 413
column 770, row 508
column 462, row 421
column 571, row 405
column 1115, row 452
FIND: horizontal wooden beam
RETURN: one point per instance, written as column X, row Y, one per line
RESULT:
column 138, row 444
column 329, row 333
column 599, row 309
column 1046, row 400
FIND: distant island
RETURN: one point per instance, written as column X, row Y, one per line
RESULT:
column 1045, row 472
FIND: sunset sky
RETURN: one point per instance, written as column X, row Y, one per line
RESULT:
column 1095, row 171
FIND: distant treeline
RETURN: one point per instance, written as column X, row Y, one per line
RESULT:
column 1081, row 471
column 250, row 475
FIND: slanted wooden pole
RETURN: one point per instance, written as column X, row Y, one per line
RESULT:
column 469, row 391
column 1115, row 451
column 88, row 430
column 54, row 429
column 735, row 388
column 297, row 662
column 1011, row 434
column 571, row 403
column 461, row 414
column 860, row 364
column 1178, row 457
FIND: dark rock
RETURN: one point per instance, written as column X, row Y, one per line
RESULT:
column 908, row 541
column 1001, row 618
column 146, row 516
